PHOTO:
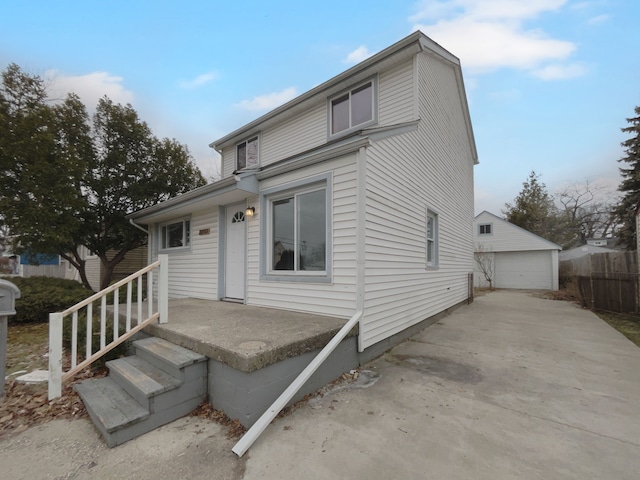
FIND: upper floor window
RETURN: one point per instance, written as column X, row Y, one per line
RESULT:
column 352, row 109
column 175, row 235
column 247, row 154
column 485, row 229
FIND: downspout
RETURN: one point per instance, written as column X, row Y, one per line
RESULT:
column 149, row 254
column 361, row 219
column 138, row 226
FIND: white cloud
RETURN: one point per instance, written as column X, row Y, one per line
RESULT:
column 491, row 34
column 90, row 87
column 560, row 72
column 598, row 19
column 268, row 101
column 200, row 80
column 359, row 54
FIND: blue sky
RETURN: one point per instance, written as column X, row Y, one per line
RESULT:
column 549, row 82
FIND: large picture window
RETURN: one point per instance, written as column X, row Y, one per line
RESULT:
column 175, row 235
column 298, row 239
column 352, row 109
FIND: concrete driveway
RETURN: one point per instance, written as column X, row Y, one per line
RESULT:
column 512, row 386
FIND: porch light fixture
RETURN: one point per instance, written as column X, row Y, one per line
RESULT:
column 250, row 211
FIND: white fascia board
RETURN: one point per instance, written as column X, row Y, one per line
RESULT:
column 376, row 134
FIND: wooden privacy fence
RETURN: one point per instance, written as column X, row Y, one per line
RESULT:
column 611, row 292
column 605, row 281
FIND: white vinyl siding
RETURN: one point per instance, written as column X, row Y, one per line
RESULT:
column 308, row 129
column 432, row 166
column 298, row 134
column 194, row 273
column 338, row 297
column 92, row 270
column 396, row 95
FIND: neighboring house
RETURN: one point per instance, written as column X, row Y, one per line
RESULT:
column 517, row 257
column 134, row 260
column 32, row 265
column 582, row 251
column 610, row 242
column 356, row 195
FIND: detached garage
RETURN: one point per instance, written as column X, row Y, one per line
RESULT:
column 512, row 257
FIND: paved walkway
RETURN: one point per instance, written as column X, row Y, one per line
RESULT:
column 511, row 386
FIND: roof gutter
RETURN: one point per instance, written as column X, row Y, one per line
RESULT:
column 139, row 227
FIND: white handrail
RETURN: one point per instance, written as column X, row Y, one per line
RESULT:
column 56, row 320
column 263, row 422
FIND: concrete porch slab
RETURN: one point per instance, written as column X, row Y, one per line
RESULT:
column 244, row 337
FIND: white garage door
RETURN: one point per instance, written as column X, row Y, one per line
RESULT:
column 523, row 270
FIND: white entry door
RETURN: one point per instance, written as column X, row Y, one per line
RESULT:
column 235, row 254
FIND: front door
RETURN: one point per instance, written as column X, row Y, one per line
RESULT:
column 234, row 266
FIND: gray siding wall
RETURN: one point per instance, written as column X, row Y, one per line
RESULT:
column 429, row 168
column 334, row 299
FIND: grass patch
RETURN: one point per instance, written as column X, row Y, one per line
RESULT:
column 27, row 345
column 627, row 324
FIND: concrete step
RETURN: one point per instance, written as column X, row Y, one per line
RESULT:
column 167, row 356
column 159, row 384
column 110, row 407
column 142, row 380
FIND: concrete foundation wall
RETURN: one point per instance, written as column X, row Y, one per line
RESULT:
column 246, row 396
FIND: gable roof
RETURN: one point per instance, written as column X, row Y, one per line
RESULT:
column 507, row 237
column 399, row 51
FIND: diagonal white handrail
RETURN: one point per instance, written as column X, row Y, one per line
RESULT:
column 56, row 320
column 267, row 417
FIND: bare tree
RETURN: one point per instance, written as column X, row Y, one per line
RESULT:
column 588, row 208
column 484, row 260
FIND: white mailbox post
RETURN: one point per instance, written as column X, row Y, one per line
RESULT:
column 8, row 294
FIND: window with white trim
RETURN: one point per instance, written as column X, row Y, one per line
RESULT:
column 355, row 108
column 297, row 238
column 432, row 239
column 175, row 235
column 485, row 229
column 247, row 154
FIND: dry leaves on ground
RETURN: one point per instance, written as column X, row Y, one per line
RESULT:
column 27, row 405
column 235, row 429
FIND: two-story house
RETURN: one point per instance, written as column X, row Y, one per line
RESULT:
column 358, row 194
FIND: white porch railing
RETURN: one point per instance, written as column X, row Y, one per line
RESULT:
column 108, row 340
